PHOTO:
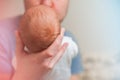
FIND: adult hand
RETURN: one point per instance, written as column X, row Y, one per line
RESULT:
column 34, row 66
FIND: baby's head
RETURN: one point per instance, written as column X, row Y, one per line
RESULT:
column 39, row 27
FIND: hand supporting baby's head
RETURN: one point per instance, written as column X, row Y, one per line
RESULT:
column 39, row 27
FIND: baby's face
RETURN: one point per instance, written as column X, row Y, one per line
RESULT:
column 39, row 28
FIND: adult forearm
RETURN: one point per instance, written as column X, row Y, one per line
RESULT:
column 5, row 76
column 26, row 76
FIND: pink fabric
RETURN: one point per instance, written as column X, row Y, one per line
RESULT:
column 7, row 39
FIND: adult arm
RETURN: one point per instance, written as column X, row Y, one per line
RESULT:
column 35, row 66
column 32, row 66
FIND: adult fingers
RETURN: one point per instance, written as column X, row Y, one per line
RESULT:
column 62, row 31
column 56, row 44
column 51, row 52
column 58, row 56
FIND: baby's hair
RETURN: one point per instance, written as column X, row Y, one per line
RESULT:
column 40, row 26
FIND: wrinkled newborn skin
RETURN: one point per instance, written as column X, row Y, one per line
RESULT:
column 39, row 27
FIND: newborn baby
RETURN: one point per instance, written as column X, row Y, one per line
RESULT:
column 39, row 27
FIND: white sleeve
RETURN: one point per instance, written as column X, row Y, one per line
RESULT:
column 72, row 46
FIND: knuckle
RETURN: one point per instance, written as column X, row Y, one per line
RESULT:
column 46, row 66
column 49, row 54
column 50, row 68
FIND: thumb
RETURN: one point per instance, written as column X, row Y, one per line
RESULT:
column 19, row 45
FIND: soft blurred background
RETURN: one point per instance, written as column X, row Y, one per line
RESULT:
column 9, row 8
column 96, row 25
